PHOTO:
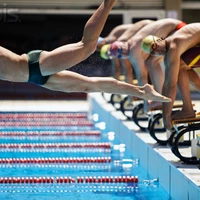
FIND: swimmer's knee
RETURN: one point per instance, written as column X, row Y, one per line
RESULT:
column 45, row 61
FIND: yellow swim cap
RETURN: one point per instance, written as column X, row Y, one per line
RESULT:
column 147, row 42
column 103, row 51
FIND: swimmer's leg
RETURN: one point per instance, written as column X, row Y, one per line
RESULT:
column 194, row 78
column 67, row 56
column 67, row 81
column 183, row 84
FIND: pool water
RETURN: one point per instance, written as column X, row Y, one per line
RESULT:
column 103, row 157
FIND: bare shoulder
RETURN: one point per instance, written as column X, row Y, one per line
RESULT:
column 188, row 34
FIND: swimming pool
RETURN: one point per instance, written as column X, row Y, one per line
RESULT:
column 66, row 156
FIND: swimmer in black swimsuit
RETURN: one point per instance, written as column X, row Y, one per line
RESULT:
column 46, row 68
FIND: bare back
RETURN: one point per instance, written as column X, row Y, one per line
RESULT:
column 185, row 38
column 12, row 66
column 160, row 28
column 134, row 29
column 117, row 32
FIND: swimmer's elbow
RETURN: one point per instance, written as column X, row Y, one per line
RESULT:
column 90, row 46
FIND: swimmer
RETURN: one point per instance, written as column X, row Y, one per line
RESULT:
column 111, row 37
column 174, row 49
column 121, row 33
column 46, row 68
column 142, row 61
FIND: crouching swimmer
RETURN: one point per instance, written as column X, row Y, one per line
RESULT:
column 177, row 71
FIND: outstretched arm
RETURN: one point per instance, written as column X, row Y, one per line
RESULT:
column 128, row 70
column 67, row 81
column 156, row 72
column 140, row 68
column 172, row 65
column 69, row 55
column 116, row 68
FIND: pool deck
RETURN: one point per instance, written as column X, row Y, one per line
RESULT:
column 181, row 181
column 44, row 106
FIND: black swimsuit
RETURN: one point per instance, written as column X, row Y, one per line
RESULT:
column 35, row 75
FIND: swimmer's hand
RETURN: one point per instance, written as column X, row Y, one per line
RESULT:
column 151, row 94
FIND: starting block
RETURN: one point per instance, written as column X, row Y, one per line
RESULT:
column 127, row 106
column 114, row 99
column 183, row 127
column 156, row 127
column 140, row 117
column 195, row 146
column 153, row 118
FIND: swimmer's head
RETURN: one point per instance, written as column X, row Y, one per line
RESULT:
column 148, row 42
column 104, row 52
column 100, row 42
column 100, row 39
column 154, row 46
column 119, row 49
column 115, row 50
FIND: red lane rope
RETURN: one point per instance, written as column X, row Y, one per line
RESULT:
column 104, row 145
column 79, row 180
column 41, row 115
column 42, row 119
column 55, row 160
column 49, row 133
column 47, row 123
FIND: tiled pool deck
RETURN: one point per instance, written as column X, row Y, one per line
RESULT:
column 180, row 180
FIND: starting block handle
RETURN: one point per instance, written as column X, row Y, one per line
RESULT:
column 186, row 120
column 174, row 106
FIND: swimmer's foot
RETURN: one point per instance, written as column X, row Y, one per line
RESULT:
column 183, row 114
column 151, row 94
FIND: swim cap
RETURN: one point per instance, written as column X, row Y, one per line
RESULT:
column 103, row 51
column 100, row 39
column 147, row 42
column 114, row 48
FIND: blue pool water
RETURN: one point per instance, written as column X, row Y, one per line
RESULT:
column 122, row 164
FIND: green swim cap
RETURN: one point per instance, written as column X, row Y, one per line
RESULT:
column 147, row 43
column 103, row 51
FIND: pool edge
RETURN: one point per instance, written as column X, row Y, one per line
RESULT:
column 172, row 176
